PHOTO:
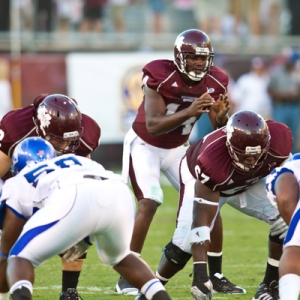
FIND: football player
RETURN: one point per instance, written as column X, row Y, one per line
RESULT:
column 283, row 191
column 56, row 118
column 228, row 166
column 54, row 194
column 176, row 93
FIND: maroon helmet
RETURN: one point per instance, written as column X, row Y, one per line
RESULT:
column 192, row 42
column 58, row 117
column 247, row 136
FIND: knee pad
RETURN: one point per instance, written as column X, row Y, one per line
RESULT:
column 175, row 255
column 276, row 239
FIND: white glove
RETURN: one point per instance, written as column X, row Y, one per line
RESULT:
column 279, row 227
column 76, row 251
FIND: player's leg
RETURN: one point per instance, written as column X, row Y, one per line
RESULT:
column 138, row 274
column 167, row 268
column 70, row 278
column 255, row 203
column 49, row 222
column 20, row 274
column 289, row 273
column 113, row 245
column 144, row 173
column 289, row 268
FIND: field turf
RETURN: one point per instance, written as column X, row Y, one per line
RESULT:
column 244, row 258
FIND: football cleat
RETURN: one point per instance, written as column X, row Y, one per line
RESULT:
column 70, row 294
column 199, row 295
column 140, row 296
column 265, row 292
column 222, row 285
column 123, row 287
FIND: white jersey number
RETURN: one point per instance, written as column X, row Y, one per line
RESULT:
column 187, row 125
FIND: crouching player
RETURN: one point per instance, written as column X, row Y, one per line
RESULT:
column 54, row 192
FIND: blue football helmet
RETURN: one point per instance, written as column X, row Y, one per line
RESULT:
column 32, row 149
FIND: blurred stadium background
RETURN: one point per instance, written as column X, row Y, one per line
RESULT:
column 48, row 50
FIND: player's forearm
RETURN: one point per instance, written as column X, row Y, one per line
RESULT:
column 163, row 124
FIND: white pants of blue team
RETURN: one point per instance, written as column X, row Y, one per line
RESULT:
column 103, row 210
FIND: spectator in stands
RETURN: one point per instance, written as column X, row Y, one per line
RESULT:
column 93, row 16
column 158, row 9
column 118, row 8
column 210, row 15
column 294, row 8
column 26, row 13
column 284, row 90
column 44, row 15
column 270, row 11
column 250, row 90
column 68, row 13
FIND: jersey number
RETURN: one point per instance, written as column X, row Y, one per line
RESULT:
column 201, row 176
column 33, row 176
column 187, row 125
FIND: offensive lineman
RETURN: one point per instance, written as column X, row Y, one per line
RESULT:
column 228, row 166
column 176, row 94
column 54, row 194
column 57, row 119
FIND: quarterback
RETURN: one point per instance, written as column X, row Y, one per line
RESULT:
column 176, row 93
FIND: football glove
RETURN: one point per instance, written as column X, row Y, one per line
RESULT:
column 279, row 227
column 78, row 250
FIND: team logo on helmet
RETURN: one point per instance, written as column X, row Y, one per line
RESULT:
column 44, row 118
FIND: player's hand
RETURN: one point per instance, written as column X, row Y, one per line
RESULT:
column 201, row 105
column 279, row 227
column 76, row 251
column 221, row 106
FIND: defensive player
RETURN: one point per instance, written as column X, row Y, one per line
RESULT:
column 283, row 191
column 176, row 94
column 57, row 119
column 228, row 166
column 62, row 191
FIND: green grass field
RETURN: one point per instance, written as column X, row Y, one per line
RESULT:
column 244, row 258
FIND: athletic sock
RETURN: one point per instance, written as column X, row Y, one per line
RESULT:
column 21, row 290
column 271, row 271
column 289, row 287
column 214, row 263
column 70, row 279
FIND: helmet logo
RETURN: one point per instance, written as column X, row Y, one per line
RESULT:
column 179, row 42
column 44, row 118
column 72, row 134
column 253, row 150
column 40, row 153
column 202, row 51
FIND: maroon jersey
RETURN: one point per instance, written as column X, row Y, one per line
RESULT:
column 164, row 77
column 214, row 164
column 19, row 124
